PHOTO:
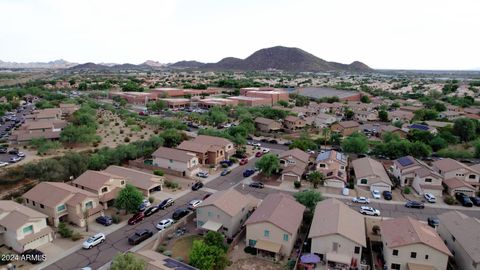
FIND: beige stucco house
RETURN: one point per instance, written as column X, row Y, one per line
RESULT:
column 293, row 163
column 209, row 149
column 22, row 228
column 225, row 211
column 293, row 123
column 450, row 168
column 184, row 162
column 371, row 173
column 273, row 228
column 63, row 202
column 410, row 244
column 145, row 182
column 267, row 125
column 333, row 165
column 337, row 234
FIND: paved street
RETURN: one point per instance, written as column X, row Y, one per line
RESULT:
column 117, row 241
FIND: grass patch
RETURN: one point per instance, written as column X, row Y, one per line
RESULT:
column 182, row 246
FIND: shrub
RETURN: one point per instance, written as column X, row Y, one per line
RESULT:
column 158, row 172
column 224, row 165
column 297, row 184
column 161, row 248
column 449, row 200
column 151, row 199
column 407, row 190
column 127, row 139
column 234, row 160
column 64, row 231
column 76, row 236
column 117, row 124
column 19, row 200
column 121, row 131
column 179, row 258
column 171, row 184
column 250, row 250
column 167, row 253
column 116, row 219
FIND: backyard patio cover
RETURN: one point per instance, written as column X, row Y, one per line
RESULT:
column 268, row 246
column 212, row 226
column 338, row 258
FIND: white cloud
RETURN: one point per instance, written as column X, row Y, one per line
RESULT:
column 425, row 34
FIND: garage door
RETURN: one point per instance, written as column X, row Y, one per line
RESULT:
column 335, row 184
column 468, row 192
column 380, row 188
column 36, row 243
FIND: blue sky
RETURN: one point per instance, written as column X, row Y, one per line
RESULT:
column 408, row 34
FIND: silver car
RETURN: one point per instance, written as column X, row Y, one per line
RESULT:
column 94, row 240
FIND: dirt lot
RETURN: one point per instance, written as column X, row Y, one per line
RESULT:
column 255, row 263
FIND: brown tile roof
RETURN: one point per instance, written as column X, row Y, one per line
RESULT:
column 466, row 231
column 292, row 118
column 424, row 171
column 296, row 153
column 193, row 147
column 264, row 121
column 94, row 180
column 456, row 183
column 348, row 124
column 16, row 214
column 281, row 210
column 413, row 162
column 296, row 169
column 136, row 178
column 24, row 135
column 406, row 231
column 448, row 164
column 211, row 140
column 367, row 167
column 52, row 194
column 229, row 201
column 334, row 217
column 173, row 154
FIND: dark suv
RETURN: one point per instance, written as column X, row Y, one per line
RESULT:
column 139, row 237
column 463, row 199
column 166, row 203
column 387, row 195
column 179, row 213
column 104, row 220
column 414, row 204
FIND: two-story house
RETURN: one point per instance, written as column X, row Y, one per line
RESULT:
column 345, row 128
column 293, row 123
column 273, row 228
column 22, row 228
column 404, row 169
column 371, row 173
column 294, row 162
column 103, row 184
column 449, row 168
column 267, row 125
column 209, row 149
column 337, row 234
column 410, row 244
column 461, row 235
column 171, row 159
column 426, row 180
column 225, row 211
column 147, row 183
column 333, row 165
column 63, row 203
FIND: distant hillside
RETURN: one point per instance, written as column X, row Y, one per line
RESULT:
column 57, row 64
column 286, row 59
column 186, row 64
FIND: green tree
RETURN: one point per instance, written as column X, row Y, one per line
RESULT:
column 269, row 164
column 465, row 129
column 438, row 143
column 349, row 114
column 217, row 116
column 157, row 106
column 316, row 177
column 425, row 115
column 383, row 115
column 127, row 261
column 172, row 137
column 215, row 239
column 129, row 199
column 207, row 257
column 365, row 99
column 283, row 103
column 355, row 143
column 477, row 150
column 309, row 198
column 74, row 163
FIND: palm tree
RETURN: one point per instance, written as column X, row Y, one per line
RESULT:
column 317, row 178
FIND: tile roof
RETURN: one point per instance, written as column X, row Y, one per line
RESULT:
column 367, row 167
column 229, row 201
column 406, row 231
column 16, row 214
column 264, row 121
column 193, row 146
column 348, row 124
column 448, row 164
column 334, row 217
column 52, row 194
column 173, row 154
column 466, row 231
column 295, row 169
column 141, row 180
column 457, row 183
column 94, row 179
column 281, row 210
column 296, row 153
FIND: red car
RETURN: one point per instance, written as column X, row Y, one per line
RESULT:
column 136, row 218
column 244, row 161
column 259, row 154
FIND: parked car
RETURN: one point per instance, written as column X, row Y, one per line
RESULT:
column 257, row 144
column 387, row 195
column 136, row 218
column 225, row 172
column 266, row 150
column 151, row 210
column 193, row 204
column 463, row 199
column 14, row 151
column 166, row 203
column 140, row 236
column 202, row 174
column 376, row 194
column 104, row 220
column 475, row 201
column 3, row 150
column 179, row 213
column 430, row 197
column 145, row 203
column 369, row 211
column 227, row 162
column 256, row 185
column 414, row 204
column 363, row 200
column 164, row 223
column 273, row 141
column 433, row 222
column 243, row 161
column 21, row 154
column 33, row 256
column 15, row 159
column 258, row 154
column 3, row 164
column 248, row 172
column 198, row 185
column 94, row 240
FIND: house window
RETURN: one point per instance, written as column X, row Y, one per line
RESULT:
column 322, row 165
column 33, row 203
column 357, row 250
column 209, row 214
column 413, row 255
column 363, row 181
column 251, row 242
column 61, row 208
column 395, row 266
column 453, row 238
column 266, row 233
column 471, row 176
column 42, row 206
column 104, row 189
column 122, row 182
column 285, row 237
column 89, row 205
column 200, row 223
column 28, row 201
column 335, row 246
column 426, row 257
column 171, row 161
column 428, row 180
column 395, row 252
column 28, row 229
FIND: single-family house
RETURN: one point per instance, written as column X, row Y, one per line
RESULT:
column 273, row 227
column 209, row 149
column 345, row 128
column 456, row 185
column 333, row 165
column 450, row 168
column 294, row 162
column 371, row 173
column 320, row 120
column 22, row 228
column 409, row 244
column 292, row 123
column 426, row 180
column 62, row 202
column 337, row 234
column 145, row 182
column 183, row 162
column 400, row 115
column 404, row 169
column 267, row 125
